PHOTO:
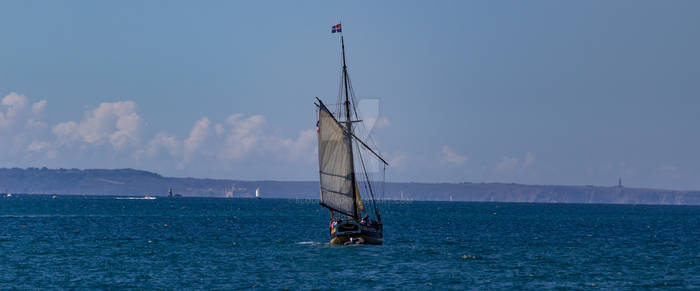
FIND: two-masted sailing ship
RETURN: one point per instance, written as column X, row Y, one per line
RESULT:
column 344, row 168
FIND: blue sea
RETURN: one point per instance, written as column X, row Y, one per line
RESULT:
column 94, row 242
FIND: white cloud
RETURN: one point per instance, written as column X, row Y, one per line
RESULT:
column 34, row 124
column 20, row 126
column 37, row 146
column 14, row 100
column 14, row 112
column 219, row 129
column 242, row 135
column 66, row 131
column 111, row 134
column 116, row 123
column 197, row 137
column 240, row 138
column 290, row 149
column 38, row 107
column 451, row 157
column 163, row 141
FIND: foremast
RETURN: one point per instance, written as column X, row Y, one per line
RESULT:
column 348, row 127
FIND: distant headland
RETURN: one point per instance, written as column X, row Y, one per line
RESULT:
column 138, row 182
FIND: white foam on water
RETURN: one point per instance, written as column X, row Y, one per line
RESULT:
column 135, row 198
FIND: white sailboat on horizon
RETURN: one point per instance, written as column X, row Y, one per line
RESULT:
column 257, row 193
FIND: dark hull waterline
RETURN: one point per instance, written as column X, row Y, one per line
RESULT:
column 351, row 232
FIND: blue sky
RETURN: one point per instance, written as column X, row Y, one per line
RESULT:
column 538, row 92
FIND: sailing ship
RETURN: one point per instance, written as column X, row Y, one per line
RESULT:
column 257, row 193
column 340, row 150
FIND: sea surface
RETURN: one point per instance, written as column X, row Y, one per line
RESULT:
column 94, row 242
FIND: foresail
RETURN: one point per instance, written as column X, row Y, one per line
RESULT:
column 335, row 164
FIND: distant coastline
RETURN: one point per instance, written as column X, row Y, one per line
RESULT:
column 138, row 183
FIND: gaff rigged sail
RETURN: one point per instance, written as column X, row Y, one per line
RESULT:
column 335, row 164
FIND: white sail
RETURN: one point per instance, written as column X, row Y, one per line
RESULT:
column 257, row 192
column 335, row 164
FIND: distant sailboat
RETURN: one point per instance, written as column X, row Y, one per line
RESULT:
column 338, row 151
column 257, row 193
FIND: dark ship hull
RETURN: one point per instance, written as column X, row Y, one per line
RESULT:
column 352, row 232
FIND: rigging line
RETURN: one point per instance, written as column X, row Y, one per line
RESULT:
column 354, row 107
column 383, row 182
column 366, row 181
column 374, row 203
column 354, row 102
column 354, row 99
column 352, row 96
column 334, row 209
column 339, row 107
column 367, row 147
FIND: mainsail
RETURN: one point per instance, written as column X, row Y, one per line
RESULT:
column 335, row 164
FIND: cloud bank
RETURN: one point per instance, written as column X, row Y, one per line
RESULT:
column 112, row 135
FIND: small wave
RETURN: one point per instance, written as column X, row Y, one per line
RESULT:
column 470, row 257
column 135, row 198
column 309, row 243
column 51, row 215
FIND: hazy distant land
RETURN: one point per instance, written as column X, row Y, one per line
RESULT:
column 136, row 182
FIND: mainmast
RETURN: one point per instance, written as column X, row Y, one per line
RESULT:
column 348, row 126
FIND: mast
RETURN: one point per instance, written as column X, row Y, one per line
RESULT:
column 348, row 125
